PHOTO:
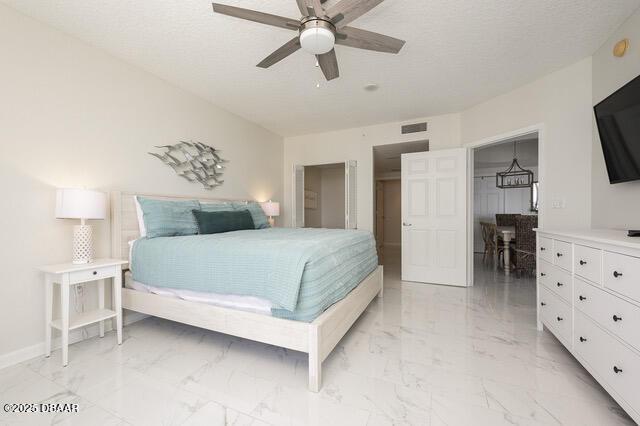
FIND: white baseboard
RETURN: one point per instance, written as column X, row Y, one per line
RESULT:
column 25, row 354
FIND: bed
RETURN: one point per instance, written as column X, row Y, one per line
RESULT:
column 315, row 326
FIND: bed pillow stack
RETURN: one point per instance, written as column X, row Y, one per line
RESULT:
column 167, row 218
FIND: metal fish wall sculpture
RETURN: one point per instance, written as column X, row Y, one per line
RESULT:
column 194, row 161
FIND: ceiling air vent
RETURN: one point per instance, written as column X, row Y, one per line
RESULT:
column 414, row 128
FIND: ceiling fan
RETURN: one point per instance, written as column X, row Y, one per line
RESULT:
column 319, row 30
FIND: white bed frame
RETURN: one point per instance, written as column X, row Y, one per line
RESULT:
column 317, row 338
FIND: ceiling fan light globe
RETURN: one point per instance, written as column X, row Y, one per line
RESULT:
column 317, row 41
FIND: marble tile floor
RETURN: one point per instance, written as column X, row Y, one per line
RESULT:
column 422, row 355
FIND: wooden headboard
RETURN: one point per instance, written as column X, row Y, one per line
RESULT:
column 124, row 220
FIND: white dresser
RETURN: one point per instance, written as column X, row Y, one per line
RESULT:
column 589, row 298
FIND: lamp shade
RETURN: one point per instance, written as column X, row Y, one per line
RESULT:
column 271, row 208
column 80, row 204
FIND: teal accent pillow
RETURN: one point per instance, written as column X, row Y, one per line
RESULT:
column 257, row 214
column 223, row 221
column 164, row 218
column 216, row 207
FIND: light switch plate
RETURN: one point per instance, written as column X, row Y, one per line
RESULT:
column 558, row 203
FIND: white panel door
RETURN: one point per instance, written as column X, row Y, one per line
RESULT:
column 434, row 217
column 350, row 195
column 297, row 214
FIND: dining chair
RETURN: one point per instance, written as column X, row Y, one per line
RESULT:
column 489, row 238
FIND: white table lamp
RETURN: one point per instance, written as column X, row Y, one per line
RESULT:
column 271, row 209
column 81, row 204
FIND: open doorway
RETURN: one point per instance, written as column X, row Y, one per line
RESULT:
column 325, row 195
column 387, row 198
column 324, row 198
column 505, row 208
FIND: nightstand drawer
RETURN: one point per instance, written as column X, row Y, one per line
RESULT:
column 587, row 263
column 92, row 274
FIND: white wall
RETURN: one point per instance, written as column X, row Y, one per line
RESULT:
column 74, row 116
column 332, row 198
column 561, row 102
column 356, row 144
column 614, row 206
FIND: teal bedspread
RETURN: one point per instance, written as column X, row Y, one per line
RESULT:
column 300, row 271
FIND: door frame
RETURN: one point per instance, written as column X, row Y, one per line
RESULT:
column 492, row 140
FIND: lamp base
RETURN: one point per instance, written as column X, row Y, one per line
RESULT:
column 82, row 244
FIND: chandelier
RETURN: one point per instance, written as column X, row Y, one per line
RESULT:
column 515, row 176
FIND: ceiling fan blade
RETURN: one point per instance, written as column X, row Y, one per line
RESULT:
column 302, row 6
column 255, row 16
column 329, row 65
column 347, row 11
column 317, row 8
column 362, row 39
column 287, row 49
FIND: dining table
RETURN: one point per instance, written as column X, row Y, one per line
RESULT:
column 508, row 234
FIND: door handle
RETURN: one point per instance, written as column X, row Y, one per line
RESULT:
column 406, row 224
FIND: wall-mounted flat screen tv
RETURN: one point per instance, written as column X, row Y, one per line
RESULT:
column 618, row 119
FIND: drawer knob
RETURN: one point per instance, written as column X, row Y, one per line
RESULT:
column 559, row 284
column 617, row 274
column 95, row 272
column 617, row 370
column 582, row 262
column 559, row 254
column 582, row 339
column 559, row 318
column 617, row 318
column 581, row 297
column 543, row 304
column 542, row 274
column 542, row 249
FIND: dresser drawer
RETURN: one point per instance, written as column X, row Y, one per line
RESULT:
column 587, row 262
column 561, row 283
column 545, row 273
column 616, row 364
column 545, row 249
column 92, row 274
column 621, row 273
column 616, row 315
column 556, row 315
column 562, row 254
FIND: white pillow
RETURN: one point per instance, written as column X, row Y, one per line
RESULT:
column 140, row 214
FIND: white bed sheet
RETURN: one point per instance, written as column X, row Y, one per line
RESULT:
column 244, row 303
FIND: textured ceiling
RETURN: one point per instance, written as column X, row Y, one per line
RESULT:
column 458, row 53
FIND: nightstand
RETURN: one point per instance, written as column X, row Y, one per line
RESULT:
column 68, row 275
